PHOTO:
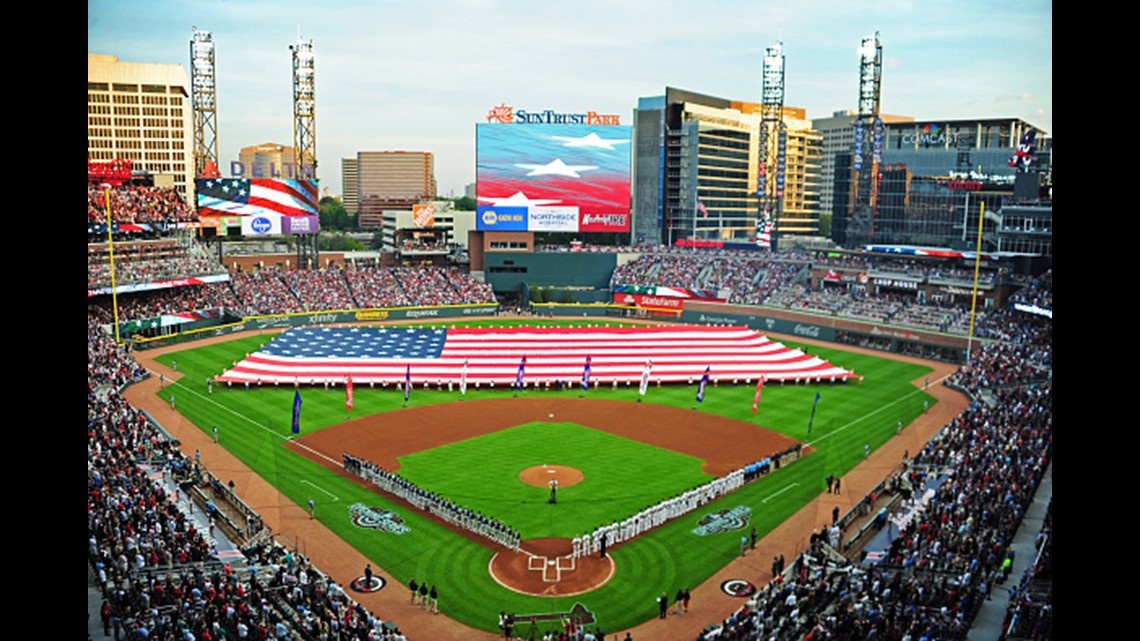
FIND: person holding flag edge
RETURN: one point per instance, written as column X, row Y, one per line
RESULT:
column 644, row 380
column 586, row 376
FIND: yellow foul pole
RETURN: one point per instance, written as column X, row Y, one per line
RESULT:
column 111, row 254
column 977, row 268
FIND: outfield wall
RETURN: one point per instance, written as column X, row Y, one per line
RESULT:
column 285, row 321
column 888, row 338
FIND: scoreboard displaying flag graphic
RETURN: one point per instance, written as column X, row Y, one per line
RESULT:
column 264, row 206
column 314, row 355
column 571, row 178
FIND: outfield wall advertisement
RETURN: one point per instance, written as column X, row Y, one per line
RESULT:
column 535, row 176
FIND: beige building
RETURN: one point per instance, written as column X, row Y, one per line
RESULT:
column 268, row 160
column 350, row 185
column 392, row 180
column 141, row 112
column 803, row 156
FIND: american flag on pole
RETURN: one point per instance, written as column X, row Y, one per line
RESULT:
column 586, row 375
column 314, row 355
column 756, row 398
column 256, row 197
column 701, row 388
column 297, row 412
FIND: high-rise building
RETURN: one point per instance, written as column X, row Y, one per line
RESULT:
column 268, row 160
column 141, row 112
column 838, row 133
column 935, row 177
column 392, row 180
column 695, row 168
column 350, row 184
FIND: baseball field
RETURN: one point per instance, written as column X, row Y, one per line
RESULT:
column 489, row 450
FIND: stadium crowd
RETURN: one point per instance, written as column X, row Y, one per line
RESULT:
column 159, row 571
column 981, row 471
column 138, row 205
column 272, row 291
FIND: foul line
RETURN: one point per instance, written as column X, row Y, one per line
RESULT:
column 775, row 494
column 870, row 414
column 251, row 421
column 310, row 483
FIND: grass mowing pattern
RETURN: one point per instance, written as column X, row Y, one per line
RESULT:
column 253, row 425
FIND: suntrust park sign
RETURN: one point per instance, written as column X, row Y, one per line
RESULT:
column 509, row 115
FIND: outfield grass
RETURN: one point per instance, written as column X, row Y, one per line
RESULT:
column 255, row 423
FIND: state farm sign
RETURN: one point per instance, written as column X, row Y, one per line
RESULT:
column 641, row 300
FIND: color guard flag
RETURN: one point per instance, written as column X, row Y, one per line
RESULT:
column 519, row 378
column 348, row 394
column 756, row 399
column 297, row 412
column 645, row 378
column 586, row 376
column 408, row 383
column 462, row 379
column 701, row 389
column 811, row 419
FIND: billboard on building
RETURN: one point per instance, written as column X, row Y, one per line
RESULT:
column 423, row 215
column 568, row 177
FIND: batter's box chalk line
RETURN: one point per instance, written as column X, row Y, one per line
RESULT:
column 548, row 566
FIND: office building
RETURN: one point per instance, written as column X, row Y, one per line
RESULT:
column 350, row 184
column 935, row 179
column 389, row 180
column 694, row 169
column 838, row 132
column 267, row 160
column 141, row 112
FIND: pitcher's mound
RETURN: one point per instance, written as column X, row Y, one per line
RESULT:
column 546, row 569
column 542, row 475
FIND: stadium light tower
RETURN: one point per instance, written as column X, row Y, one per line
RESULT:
column 203, row 98
column 867, row 154
column 305, row 136
column 304, row 109
column 772, row 144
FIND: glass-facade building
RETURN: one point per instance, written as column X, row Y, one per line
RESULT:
column 936, row 180
column 695, row 169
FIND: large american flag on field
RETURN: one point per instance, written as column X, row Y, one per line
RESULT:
column 315, row 355
column 256, row 197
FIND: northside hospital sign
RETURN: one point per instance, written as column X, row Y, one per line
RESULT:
column 507, row 115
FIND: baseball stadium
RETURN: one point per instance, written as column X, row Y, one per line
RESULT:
column 555, row 467
column 514, row 417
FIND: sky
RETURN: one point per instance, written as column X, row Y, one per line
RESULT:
column 417, row 75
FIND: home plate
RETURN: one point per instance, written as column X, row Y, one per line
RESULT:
column 550, row 471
